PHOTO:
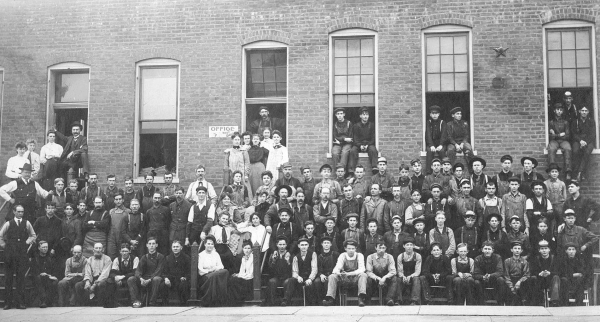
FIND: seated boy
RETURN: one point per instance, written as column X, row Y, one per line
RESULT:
column 571, row 276
column 409, row 269
column 469, row 234
column 349, row 269
column 516, row 272
column 381, row 270
column 463, row 283
column 332, row 232
column 437, row 271
column 488, row 271
column 304, row 273
column 544, row 275
column 421, row 237
column 394, row 240
column 325, row 263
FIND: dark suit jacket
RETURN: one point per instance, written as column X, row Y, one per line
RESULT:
column 80, row 146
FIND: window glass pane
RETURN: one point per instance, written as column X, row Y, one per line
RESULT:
column 257, row 75
column 583, row 77
column 583, row 58
column 433, row 45
column 340, row 99
column 555, row 78
column 353, row 99
column 280, row 59
column 266, row 66
column 553, row 40
column 353, row 84
column 340, row 48
column 280, row 74
column 269, row 75
column 370, row 99
column 158, row 99
column 568, row 59
column 460, row 63
column 353, row 47
column 568, row 40
column 460, row 44
column 366, row 65
column 258, row 90
column 446, row 45
column 554, row 59
column 582, row 39
column 341, row 84
column 354, row 66
column 569, row 78
column 447, row 63
column 433, row 82
column 366, row 83
column 366, row 47
column 461, row 82
column 71, row 87
column 268, row 59
column 433, row 64
column 270, row 89
column 256, row 60
column 447, row 82
column 341, row 66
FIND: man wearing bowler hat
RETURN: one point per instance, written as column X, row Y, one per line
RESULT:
column 265, row 121
column 75, row 152
column 364, row 139
column 458, row 137
column 529, row 175
column 342, row 142
column 23, row 191
column 435, row 136
column 281, row 193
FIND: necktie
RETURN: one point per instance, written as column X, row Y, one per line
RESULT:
column 18, row 222
column 29, row 158
column 126, row 262
column 224, row 235
column 200, row 184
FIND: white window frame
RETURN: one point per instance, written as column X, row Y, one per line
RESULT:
column 266, row 44
column 153, row 62
column 446, row 29
column 1, row 99
column 353, row 32
column 565, row 24
column 67, row 66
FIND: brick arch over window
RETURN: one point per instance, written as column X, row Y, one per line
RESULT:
column 265, row 34
column 352, row 22
column 568, row 13
column 448, row 18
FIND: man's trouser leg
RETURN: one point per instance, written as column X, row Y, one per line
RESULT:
column 448, row 284
column 552, row 148
column 567, row 154
column 372, row 288
column 468, row 154
column 585, row 158
column 289, row 288
column 133, row 284
column 104, row 296
column 40, row 286
column 373, row 155
column 336, row 154
column 451, row 152
column 424, row 279
column 469, row 284
column 112, row 247
column 65, row 290
column 392, row 288
column 183, row 291
column 81, row 295
column 458, row 286
column 345, row 156
column 353, row 158
column 332, row 284
column 274, row 282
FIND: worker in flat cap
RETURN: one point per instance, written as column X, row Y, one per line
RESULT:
column 529, row 175
column 571, row 112
column 436, row 177
column 514, row 204
column 586, row 209
column 572, row 273
column 343, row 139
column 583, row 142
column 266, row 122
column 280, row 271
column 435, row 136
column 514, row 234
column 348, row 271
column 559, row 138
column 458, row 137
column 544, row 275
column 364, row 140
column 418, row 177
column 516, row 272
column 469, row 234
column 335, row 189
column 501, row 179
column 384, row 178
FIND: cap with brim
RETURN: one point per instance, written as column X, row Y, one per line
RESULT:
column 282, row 209
column 325, row 166
column 201, row 188
column 552, row 166
column 513, row 218
column 351, row 215
column 396, row 217
column 457, row 165
column 516, row 243
column 469, row 213
column 490, row 216
column 324, row 238
column 446, row 160
column 413, row 161
column 567, row 94
column 350, row 242
column 26, row 167
column 506, row 157
column 463, row 181
column 532, row 159
column 382, row 159
column 435, row 185
column 514, row 178
column 264, row 108
column 418, row 220
column 363, row 109
column 339, row 109
column 286, row 165
column 569, row 212
column 408, row 240
column 454, row 110
column 302, row 239
column 558, row 105
column 543, row 243
column 571, row 244
column 436, row 160
column 483, row 163
column 286, row 187
column 304, row 168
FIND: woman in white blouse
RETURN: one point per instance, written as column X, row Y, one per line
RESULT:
column 255, row 228
column 213, row 277
column 49, row 158
column 240, row 284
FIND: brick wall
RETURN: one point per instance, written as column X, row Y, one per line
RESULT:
column 206, row 37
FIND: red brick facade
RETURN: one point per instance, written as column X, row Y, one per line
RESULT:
column 207, row 38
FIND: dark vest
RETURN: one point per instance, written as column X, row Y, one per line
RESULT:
column 25, row 192
column 304, row 266
column 200, row 217
column 125, row 270
column 16, row 235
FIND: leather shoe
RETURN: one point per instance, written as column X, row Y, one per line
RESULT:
column 361, row 302
column 284, row 303
column 327, row 302
column 7, row 307
column 390, row 303
column 43, row 305
column 21, row 307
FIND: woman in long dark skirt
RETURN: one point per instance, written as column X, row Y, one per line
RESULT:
column 240, row 284
column 212, row 284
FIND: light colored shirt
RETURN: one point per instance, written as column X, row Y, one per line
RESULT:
column 191, row 192
column 313, row 266
column 210, row 215
column 418, row 262
column 342, row 259
column 97, row 267
column 14, row 165
column 35, row 160
column 72, row 265
column 379, row 264
column 209, row 262
column 51, row 150
column 247, row 268
column 529, row 204
column 6, row 190
column 217, row 231
column 456, row 260
column 29, row 227
column 115, row 263
column 258, row 232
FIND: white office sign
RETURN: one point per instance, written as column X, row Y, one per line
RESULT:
column 221, row 131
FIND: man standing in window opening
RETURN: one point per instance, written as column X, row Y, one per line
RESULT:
column 342, row 142
column 583, row 136
column 364, row 140
column 435, row 136
column 559, row 136
column 75, row 152
column 571, row 113
column 458, row 137
column 265, row 121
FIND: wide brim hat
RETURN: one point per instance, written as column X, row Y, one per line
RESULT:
column 532, row 159
column 286, row 187
column 552, row 166
column 483, row 163
column 76, row 123
column 26, row 167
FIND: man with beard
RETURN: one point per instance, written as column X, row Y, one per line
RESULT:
column 324, row 210
column 180, row 210
column 159, row 218
column 95, row 225
column 302, row 211
column 117, row 214
column 134, row 229
column 265, row 121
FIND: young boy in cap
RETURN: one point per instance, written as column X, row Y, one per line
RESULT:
column 437, row 271
column 560, row 134
column 421, row 244
column 516, row 272
column 529, row 175
column 469, row 234
column 514, row 204
column 353, row 233
column 442, row 235
column 436, row 177
column 418, row 177
column 463, row 203
column 479, row 180
column 409, row 269
column 342, row 141
column 488, row 271
column 544, row 275
column 490, row 203
column 384, row 179
column 325, row 263
column 539, row 207
column 349, row 269
column 381, row 270
column 394, row 239
column 586, row 209
column 458, row 137
column 515, row 234
column 556, row 190
column 326, row 182
column 463, row 283
column 572, row 275
column 435, row 136
column 364, row 139
column 371, row 237
column 457, row 172
column 280, row 270
column 583, row 134
column 304, row 273
column 333, row 233
column 495, row 235
column 503, row 186
column 570, row 108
